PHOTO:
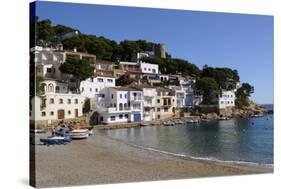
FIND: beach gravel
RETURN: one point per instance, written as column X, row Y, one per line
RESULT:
column 101, row 160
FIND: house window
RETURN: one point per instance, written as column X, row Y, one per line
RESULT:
column 221, row 102
column 52, row 101
column 120, row 95
column 166, row 109
column 49, row 70
column 120, row 116
column 149, row 69
column 101, row 118
column 69, row 101
column 158, row 109
column 112, row 118
column 92, row 79
column 61, row 101
column 112, row 96
column 57, row 88
column 51, row 113
column 43, row 114
column 100, row 80
column 125, row 95
column 76, row 101
column 90, row 89
column 69, row 112
column 96, row 89
column 126, row 116
column 144, row 69
column 109, row 80
column 153, row 70
column 82, row 89
column 158, row 100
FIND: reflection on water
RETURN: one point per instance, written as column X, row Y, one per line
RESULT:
column 233, row 140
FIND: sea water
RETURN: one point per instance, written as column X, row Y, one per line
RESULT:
column 243, row 141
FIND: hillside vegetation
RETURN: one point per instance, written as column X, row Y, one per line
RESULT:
column 210, row 80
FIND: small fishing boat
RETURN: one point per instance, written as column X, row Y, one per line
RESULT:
column 257, row 115
column 144, row 124
column 55, row 140
column 78, row 133
column 38, row 131
column 223, row 118
column 168, row 123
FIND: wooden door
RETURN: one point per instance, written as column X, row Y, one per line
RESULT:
column 76, row 113
column 60, row 114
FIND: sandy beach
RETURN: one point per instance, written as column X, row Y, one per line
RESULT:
column 101, row 160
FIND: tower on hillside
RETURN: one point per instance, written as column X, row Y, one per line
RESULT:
column 159, row 50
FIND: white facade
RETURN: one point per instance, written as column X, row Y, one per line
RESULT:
column 53, row 86
column 149, row 68
column 54, row 107
column 149, row 104
column 142, row 55
column 120, row 105
column 226, row 99
column 57, row 103
column 47, row 56
column 92, row 86
column 49, row 71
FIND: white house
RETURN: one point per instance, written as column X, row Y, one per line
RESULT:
column 57, row 103
column 149, row 104
column 120, row 104
column 49, row 70
column 47, row 55
column 226, row 99
column 92, row 86
column 149, row 68
column 141, row 55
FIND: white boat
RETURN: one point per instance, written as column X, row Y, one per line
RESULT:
column 223, row 118
column 78, row 133
column 257, row 115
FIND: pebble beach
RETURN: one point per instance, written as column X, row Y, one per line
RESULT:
column 102, row 160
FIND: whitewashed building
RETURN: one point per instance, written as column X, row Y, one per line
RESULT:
column 226, row 99
column 149, row 104
column 120, row 104
column 148, row 68
column 92, row 86
column 57, row 103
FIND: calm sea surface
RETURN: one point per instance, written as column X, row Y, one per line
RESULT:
column 245, row 141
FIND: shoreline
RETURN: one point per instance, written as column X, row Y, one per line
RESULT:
column 103, row 160
column 201, row 159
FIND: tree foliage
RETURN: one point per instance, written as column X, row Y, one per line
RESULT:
column 174, row 66
column 78, row 69
column 225, row 77
column 39, row 85
column 123, row 81
column 243, row 94
column 209, row 88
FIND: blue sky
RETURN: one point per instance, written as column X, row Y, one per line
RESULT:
column 239, row 41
